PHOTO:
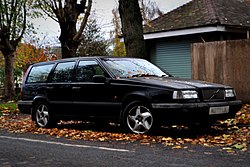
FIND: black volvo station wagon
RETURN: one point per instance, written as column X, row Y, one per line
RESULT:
column 130, row 91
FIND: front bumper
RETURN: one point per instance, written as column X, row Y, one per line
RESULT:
column 194, row 112
column 197, row 105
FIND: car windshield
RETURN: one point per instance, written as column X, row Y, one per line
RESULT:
column 128, row 67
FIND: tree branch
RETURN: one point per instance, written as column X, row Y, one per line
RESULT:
column 60, row 11
column 46, row 11
column 24, row 24
column 84, row 22
column 6, row 12
column 13, row 16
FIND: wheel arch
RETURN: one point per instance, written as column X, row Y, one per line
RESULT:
column 137, row 96
column 36, row 100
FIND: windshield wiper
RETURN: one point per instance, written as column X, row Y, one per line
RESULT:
column 165, row 75
column 144, row 75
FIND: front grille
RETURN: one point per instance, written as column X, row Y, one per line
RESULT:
column 213, row 94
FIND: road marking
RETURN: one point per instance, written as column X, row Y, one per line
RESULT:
column 64, row 144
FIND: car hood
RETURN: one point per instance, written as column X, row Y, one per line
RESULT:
column 176, row 83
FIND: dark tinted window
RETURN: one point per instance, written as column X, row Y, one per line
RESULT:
column 63, row 72
column 39, row 74
column 86, row 70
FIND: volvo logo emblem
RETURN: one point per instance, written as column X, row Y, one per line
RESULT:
column 215, row 93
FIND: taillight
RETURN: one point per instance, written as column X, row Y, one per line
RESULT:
column 23, row 82
column 21, row 92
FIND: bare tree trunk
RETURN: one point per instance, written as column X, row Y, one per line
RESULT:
column 69, row 48
column 9, row 91
column 13, row 25
column 68, row 44
column 67, row 16
column 132, row 28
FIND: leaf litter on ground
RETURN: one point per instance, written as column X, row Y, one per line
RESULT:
column 231, row 135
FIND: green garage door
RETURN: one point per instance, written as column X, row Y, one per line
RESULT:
column 173, row 57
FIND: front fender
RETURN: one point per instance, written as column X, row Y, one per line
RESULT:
column 134, row 96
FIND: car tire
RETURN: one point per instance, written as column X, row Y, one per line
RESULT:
column 137, row 118
column 42, row 115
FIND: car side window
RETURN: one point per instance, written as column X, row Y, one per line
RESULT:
column 39, row 74
column 86, row 70
column 63, row 72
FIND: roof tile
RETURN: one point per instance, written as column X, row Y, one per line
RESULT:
column 199, row 13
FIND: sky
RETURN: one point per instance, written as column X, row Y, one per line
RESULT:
column 49, row 30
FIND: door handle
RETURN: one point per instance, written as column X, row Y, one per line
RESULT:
column 76, row 88
column 49, row 87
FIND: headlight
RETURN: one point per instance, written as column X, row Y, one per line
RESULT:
column 185, row 94
column 230, row 93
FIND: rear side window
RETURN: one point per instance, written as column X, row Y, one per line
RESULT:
column 63, row 72
column 39, row 74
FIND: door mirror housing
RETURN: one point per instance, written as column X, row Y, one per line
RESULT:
column 99, row 79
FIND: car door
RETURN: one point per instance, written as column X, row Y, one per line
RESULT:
column 59, row 89
column 92, row 99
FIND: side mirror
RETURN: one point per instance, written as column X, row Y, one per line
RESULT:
column 99, row 79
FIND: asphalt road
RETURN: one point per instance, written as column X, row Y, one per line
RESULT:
column 41, row 150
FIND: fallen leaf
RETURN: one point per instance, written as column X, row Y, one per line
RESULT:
column 176, row 147
column 230, row 151
column 226, row 148
column 208, row 153
column 239, row 146
column 167, row 139
column 225, row 136
column 229, row 138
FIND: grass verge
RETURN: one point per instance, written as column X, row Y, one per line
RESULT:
column 8, row 107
